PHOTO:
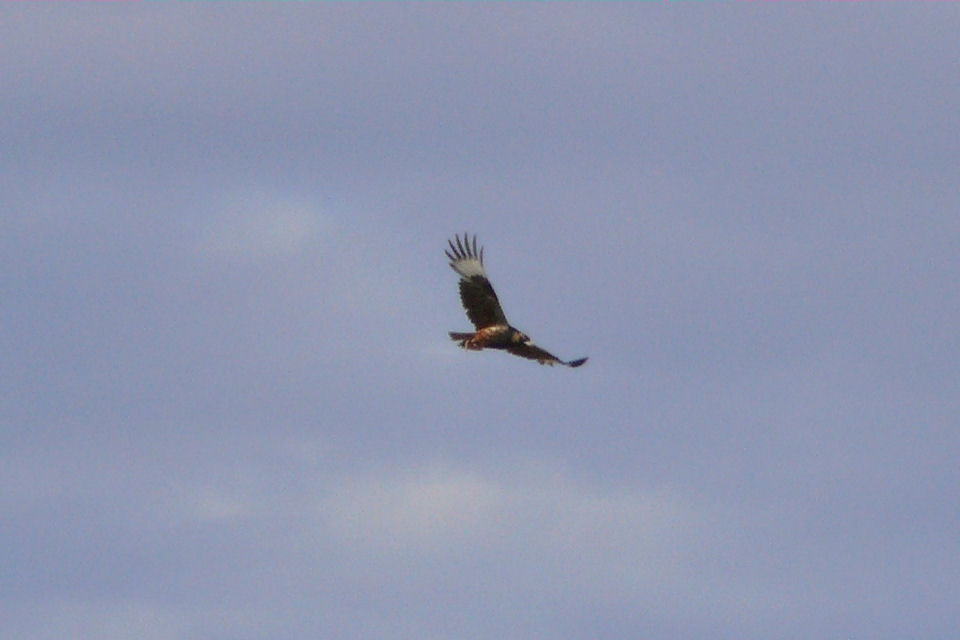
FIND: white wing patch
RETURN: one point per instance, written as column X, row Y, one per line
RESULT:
column 468, row 267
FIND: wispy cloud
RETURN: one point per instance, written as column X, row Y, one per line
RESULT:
column 254, row 225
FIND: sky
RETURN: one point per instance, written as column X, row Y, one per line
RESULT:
column 229, row 407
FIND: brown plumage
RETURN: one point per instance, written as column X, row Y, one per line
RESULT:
column 484, row 311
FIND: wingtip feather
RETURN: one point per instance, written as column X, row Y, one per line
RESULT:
column 464, row 257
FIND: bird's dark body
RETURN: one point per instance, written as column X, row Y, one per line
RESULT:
column 498, row 336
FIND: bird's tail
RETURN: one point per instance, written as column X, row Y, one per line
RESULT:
column 460, row 336
column 575, row 363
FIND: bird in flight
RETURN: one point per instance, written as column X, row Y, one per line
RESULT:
column 483, row 309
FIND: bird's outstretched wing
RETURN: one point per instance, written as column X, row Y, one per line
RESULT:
column 476, row 292
column 533, row 352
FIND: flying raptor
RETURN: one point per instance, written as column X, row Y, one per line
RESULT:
column 483, row 309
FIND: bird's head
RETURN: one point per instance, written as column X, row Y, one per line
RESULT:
column 520, row 336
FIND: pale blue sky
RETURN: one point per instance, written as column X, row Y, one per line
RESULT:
column 229, row 408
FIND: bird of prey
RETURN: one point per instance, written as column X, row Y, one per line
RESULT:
column 483, row 309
